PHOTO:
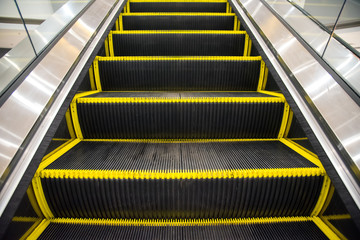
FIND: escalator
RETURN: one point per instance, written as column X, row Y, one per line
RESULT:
column 180, row 132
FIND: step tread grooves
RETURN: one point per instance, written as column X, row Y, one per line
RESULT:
column 180, row 156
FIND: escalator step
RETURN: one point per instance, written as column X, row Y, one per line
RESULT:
column 177, row 21
column 84, row 229
column 218, row 6
column 179, row 74
column 178, row 43
column 179, row 180
column 158, row 115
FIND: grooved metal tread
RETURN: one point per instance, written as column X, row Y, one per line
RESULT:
column 285, row 230
column 180, row 156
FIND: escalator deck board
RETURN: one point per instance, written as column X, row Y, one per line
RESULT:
column 178, row 6
column 179, row 74
column 149, row 156
column 283, row 230
column 177, row 22
column 208, row 43
column 158, row 115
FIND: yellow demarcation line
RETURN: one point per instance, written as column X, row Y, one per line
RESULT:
column 179, row 58
column 121, row 25
column 97, row 74
column 31, row 195
column 325, row 229
column 128, row 7
column 92, row 78
column 74, row 113
column 35, row 221
column 39, row 230
column 182, row 140
column 266, row 73
column 117, row 26
column 178, row 100
column 284, row 120
column 333, row 228
column 302, row 151
column 56, row 149
column 179, row 222
column 261, row 76
column 246, row 45
column 111, row 45
column 227, row 7
column 289, row 122
column 249, row 49
column 235, row 23
column 36, row 181
column 337, row 217
column 328, row 199
column 69, row 124
column 24, row 219
column 212, row 1
column 178, row 14
column 280, row 95
column 106, row 44
column 180, row 174
column 176, row 32
column 303, row 148
column 322, row 197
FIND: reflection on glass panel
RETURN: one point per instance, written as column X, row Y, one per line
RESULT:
column 304, row 26
column 16, row 50
column 344, row 62
column 324, row 11
column 12, row 29
column 348, row 25
column 52, row 16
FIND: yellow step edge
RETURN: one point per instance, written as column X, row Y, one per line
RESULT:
column 177, row 14
column 181, row 140
column 325, row 229
column 181, row 174
column 200, row 1
column 179, row 58
column 180, row 100
column 178, row 222
column 39, row 230
column 178, row 32
column 25, row 219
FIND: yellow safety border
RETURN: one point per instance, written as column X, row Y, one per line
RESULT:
column 288, row 124
column 325, row 229
column 56, row 149
column 333, row 228
column 177, row 174
column 322, row 197
column 178, row 14
column 121, row 25
column 246, row 45
column 39, row 193
column 39, row 230
column 261, row 76
column 212, row 1
column 227, row 7
column 92, row 79
column 284, row 120
column 117, row 26
column 175, row 100
column 111, row 45
column 303, row 148
column 36, row 181
column 69, row 123
column 302, row 151
column 235, row 23
column 128, row 7
column 36, row 222
column 31, row 195
column 266, row 74
column 74, row 113
column 106, row 44
column 178, row 222
column 97, row 74
column 250, row 47
column 146, row 140
column 328, row 199
column 179, row 58
column 175, row 32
